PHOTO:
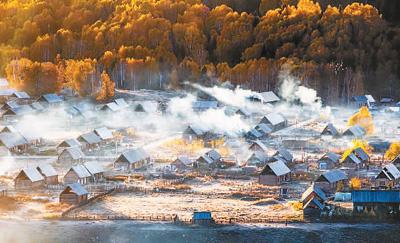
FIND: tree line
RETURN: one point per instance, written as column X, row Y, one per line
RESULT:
column 88, row 45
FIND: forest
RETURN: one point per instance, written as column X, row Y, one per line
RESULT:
column 339, row 48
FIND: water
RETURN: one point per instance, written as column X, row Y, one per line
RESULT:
column 131, row 231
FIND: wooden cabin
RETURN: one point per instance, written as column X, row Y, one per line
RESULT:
column 330, row 130
column 274, row 174
column 388, row 177
column 275, row 120
column 49, row 173
column 181, row 163
column 132, row 159
column 74, row 194
column 313, row 200
column 329, row 181
column 77, row 174
column 257, row 158
column 29, row 178
column 71, row 156
column 328, row 161
column 357, row 159
column 104, row 134
column 89, row 140
column 69, row 143
column 96, row 170
column 192, row 133
column 258, row 146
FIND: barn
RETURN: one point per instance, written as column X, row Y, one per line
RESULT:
column 74, row 194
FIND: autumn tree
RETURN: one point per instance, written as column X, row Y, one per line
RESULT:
column 107, row 88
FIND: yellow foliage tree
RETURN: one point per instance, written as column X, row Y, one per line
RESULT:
column 364, row 119
column 393, row 151
column 355, row 183
column 107, row 88
column 357, row 144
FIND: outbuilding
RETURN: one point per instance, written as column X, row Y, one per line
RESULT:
column 89, row 140
column 388, row 177
column 330, row 181
column 313, row 200
column 181, row 163
column 132, row 159
column 328, row 161
column 69, row 156
column 274, row 174
column 96, row 170
column 77, row 174
column 330, row 130
column 275, row 120
column 49, row 173
column 29, row 178
column 74, row 194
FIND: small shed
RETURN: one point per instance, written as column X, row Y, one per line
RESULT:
column 96, row 170
column 132, row 159
column 330, row 130
column 71, row 156
column 329, row 181
column 274, row 173
column 29, row 178
column 89, row 140
column 275, row 120
column 313, row 200
column 49, row 173
column 77, row 174
column 74, row 194
column 181, row 163
column 388, row 177
column 264, row 129
column 329, row 161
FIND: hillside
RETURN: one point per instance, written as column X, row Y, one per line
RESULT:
column 339, row 51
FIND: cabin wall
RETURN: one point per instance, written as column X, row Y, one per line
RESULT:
column 25, row 183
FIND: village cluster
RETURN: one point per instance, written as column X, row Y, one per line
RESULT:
column 318, row 165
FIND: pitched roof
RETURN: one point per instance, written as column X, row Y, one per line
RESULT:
column 90, row 138
column 390, row 171
column 77, row 188
column 258, row 155
column 19, row 110
column 184, row 160
column 8, row 128
column 121, row 103
column 37, row 106
column 279, row 168
column 50, row 98
column 194, row 129
column 47, row 170
column 260, row 144
column 32, row 174
column 330, row 129
column 273, row 119
column 313, row 188
column 74, row 152
column 333, row 176
column 104, row 133
column 21, row 95
column 72, row 142
column 7, row 92
column 81, row 171
column 361, row 154
column 213, row 154
column 12, row 139
column 204, row 105
column 112, row 106
column 207, row 159
column 9, row 104
column 133, row 156
column 353, row 158
column 269, row 97
column 331, row 156
column 254, row 133
column 315, row 202
column 94, row 167
column 356, row 131
column 264, row 128
column 285, row 154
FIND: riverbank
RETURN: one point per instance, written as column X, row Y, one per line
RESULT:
column 144, row 232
